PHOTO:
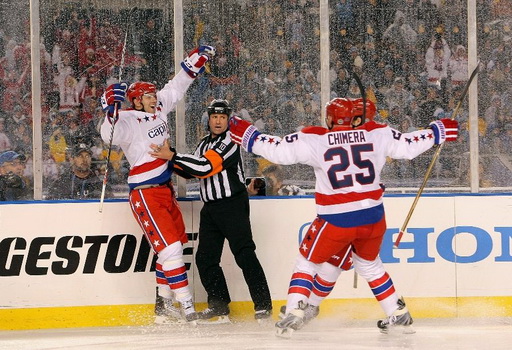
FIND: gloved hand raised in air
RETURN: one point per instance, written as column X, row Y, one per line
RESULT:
column 112, row 98
column 194, row 63
column 242, row 132
column 445, row 130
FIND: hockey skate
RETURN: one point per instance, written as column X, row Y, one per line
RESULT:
column 293, row 321
column 189, row 312
column 214, row 315
column 310, row 312
column 263, row 316
column 166, row 312
column 401, row 317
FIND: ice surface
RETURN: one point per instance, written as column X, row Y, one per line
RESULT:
column 438, row 334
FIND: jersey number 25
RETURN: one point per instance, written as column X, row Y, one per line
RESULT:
column 344, row 162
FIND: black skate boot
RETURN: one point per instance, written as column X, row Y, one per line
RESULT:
column 217, row 314
column 262, row 316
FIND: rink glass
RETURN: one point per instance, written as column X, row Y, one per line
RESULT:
column 271, row 62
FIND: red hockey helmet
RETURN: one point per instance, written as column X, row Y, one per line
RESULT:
column 341, row 110
column 371, row 110
column 140, row 88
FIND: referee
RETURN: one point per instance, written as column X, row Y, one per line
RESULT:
column 225, row 214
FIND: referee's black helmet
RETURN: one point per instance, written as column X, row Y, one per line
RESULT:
column 219, row 107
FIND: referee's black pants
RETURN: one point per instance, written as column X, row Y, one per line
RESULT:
column 229, row 219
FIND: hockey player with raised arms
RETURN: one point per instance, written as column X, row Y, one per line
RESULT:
column 347, row 157
column 152, row 198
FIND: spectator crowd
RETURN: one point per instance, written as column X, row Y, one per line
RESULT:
column 411, row 55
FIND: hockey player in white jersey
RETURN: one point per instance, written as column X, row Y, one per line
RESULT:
column 152, row 198
column 347, row 157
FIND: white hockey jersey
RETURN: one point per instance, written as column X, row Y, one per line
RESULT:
column 347, row 165
column 135, row 131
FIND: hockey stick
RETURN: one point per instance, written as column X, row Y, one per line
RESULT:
column 363, row 96
column 434, row 159
column 109, row 152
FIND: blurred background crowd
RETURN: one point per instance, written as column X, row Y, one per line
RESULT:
column 411, row 56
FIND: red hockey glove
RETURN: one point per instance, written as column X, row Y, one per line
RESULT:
column 242, row 132
column 194, row 63
column 445, row 130
column 112, row 98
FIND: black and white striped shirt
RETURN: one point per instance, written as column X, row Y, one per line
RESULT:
column 218, row 164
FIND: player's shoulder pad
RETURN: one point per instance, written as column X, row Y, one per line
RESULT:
column 317, row 130
column 372, row 125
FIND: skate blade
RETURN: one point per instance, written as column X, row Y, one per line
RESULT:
column 265, row 321
column 285, row 333
column 216, row 320
column 164, row 320
column 282, row 313
column 408, row 330
column 398, row 330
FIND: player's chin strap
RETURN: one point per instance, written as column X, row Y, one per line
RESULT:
column 434, row 159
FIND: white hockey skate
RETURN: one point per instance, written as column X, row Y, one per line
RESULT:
column 189, row 312
column 293, row 321
column 400, row 320
column 166, row 312
column 310, row 312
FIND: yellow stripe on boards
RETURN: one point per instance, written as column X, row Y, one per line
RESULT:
column 356, row 309
column 77, row 316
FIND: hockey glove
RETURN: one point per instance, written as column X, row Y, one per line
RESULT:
column 112, row 98
column 194, row 63
column 243, row 132
column 445, row 130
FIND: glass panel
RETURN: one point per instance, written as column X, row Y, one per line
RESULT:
column 15, row 104
column 404, row 51
column 495, row 102
column 84, row 54
column 266, row 66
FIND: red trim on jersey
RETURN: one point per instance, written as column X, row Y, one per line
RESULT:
column 341, row 198
column 318, row 130
column 372, row 125
column 139, row 169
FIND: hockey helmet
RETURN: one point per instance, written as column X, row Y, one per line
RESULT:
column 140, row 88
column 219, row 107
column 371, row 110
column 341, row 110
